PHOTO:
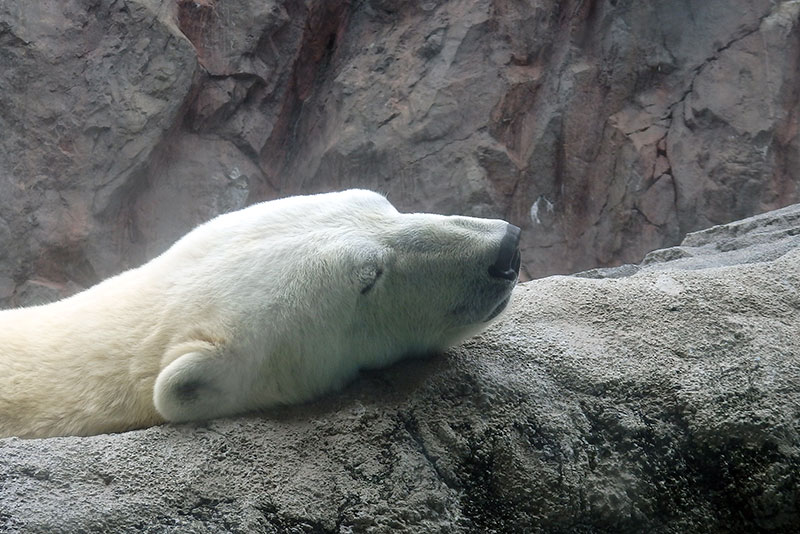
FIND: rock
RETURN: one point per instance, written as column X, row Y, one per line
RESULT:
column 628, row 124
column 756, row 239
column 665, row 401
column 90, row 90
column 715, row 137
column 163, row 211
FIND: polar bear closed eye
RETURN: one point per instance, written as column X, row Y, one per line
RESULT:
column 274, row 304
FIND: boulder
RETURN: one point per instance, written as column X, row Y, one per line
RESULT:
column 665, row 399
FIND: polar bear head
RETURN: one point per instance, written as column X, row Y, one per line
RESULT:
column 304, row 291
column 415, row 282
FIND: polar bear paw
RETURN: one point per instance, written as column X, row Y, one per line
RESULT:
column 193, row 387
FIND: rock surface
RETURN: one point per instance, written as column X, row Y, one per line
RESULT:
column 605, row 129
column 667, row 401
column 759, row 238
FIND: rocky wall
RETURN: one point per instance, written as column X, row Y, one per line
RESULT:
column 604, row 128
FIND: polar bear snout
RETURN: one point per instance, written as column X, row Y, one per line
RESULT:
column 506, row 266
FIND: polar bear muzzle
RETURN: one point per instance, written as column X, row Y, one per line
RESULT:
column 508, row 258
column 507, row 265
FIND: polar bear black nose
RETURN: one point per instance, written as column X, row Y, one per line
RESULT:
column 506, row 265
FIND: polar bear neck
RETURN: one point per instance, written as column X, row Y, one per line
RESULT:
column 109, row 336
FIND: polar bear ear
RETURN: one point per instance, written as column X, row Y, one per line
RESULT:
column 193, row 387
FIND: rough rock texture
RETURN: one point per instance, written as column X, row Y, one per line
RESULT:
column 604, row 128
column 90, row 90
column 666, row 402
column 756, row 239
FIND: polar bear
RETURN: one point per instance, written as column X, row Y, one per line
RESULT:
column 273, row 304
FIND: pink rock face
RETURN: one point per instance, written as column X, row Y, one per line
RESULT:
column 603, row 129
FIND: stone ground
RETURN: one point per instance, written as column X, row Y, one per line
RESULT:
column 663, row 401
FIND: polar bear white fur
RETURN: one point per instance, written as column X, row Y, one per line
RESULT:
column 273, row 304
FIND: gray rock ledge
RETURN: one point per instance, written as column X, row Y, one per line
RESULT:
column 664, row 401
